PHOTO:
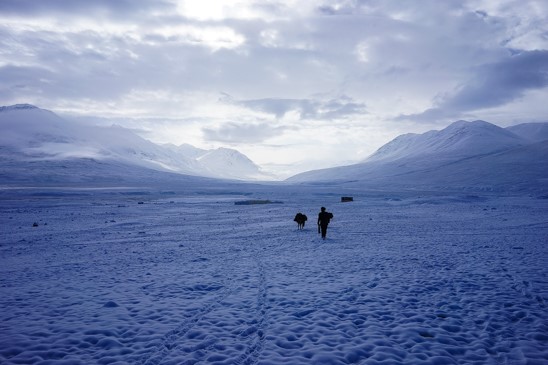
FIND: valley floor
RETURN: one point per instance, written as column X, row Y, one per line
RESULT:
column 401, row 279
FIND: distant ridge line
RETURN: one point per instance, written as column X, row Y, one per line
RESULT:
column 18, row 107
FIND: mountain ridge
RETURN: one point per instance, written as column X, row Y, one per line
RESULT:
column 33, row 133
column 464, row 155
column 454, row 157
column 464, row 138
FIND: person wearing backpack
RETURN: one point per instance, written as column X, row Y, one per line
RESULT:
column 323, row 221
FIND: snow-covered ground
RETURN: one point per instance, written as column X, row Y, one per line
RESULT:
column 125, row 277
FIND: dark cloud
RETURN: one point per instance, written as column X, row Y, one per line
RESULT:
column 17, row 80
column 492, row 85
column 387, row 53
column 122, row 8
column 82, row 65
column 432, row 115
column 316, row 54
column 307, row 108
column 22, row 75
column 242, row 133
column 38, row 82
column 502, row 82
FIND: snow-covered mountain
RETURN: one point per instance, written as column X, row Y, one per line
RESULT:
column 187, row 150
column 533, row 132
column 464, row 155
column 230, row 164
column 459, row 139
column 33, row 134
column 223, row 162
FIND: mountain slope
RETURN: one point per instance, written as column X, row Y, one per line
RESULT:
column 31, row 133
column 532, row 132
column 40, row 134
column 229, row 163
column 186, row 150
column 222, row 162
column 464, row 155
column 459, row 139
column 83, row 172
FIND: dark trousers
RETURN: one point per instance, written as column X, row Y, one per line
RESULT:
column 323, row 227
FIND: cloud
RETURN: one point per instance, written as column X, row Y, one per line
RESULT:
column 492, row 85
column 232, row 132
column 342, row 107
column 346, row 64
column 22, row 80
column 275, row 64
column 502, row 82
column 118, row 8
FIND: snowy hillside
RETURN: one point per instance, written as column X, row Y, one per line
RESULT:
column 223, row 162
column 187, row 150
column 465, row 155
column 459, row 139
column 31, row 133
column 230, row 164
column 533, row 132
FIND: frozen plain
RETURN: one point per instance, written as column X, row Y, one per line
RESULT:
column 190, row 278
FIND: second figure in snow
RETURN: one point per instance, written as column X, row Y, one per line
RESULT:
column 323, row 221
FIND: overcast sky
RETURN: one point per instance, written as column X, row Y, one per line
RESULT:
column 293, row 84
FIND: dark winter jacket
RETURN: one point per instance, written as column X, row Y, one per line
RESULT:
column 324, row 218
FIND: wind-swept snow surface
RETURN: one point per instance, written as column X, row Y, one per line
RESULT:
column 135, row 278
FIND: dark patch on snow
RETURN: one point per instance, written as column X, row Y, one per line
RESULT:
column 303, row 313
column 110, row 304
column 253, row 202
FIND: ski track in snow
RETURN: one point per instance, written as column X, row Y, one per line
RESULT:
column 199, row 280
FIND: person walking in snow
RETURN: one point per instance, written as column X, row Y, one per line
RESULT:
column 323, row 221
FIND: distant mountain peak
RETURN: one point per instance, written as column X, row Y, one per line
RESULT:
column 230, row 163
column 464, row 155
column 473, row 125
column 459, row 138
column 532, row 132
column 35, row 133
column 226, row 155
column 17, row 107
